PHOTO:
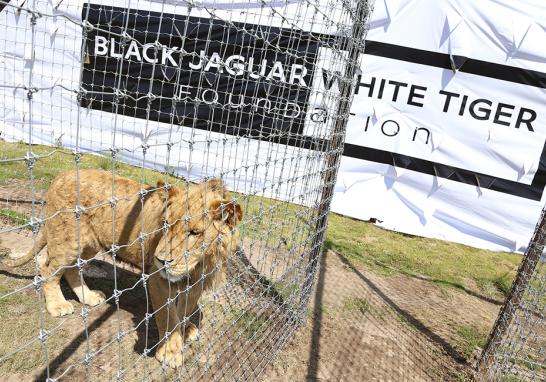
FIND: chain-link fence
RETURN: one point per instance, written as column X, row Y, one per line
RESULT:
column 123, row 127
column 516, row 349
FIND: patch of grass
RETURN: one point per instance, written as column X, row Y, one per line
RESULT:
column 16, row 298
column 286, row 291
column 403, row 320
column 510, row 378
column 364, row 306
column 272, row 222
column 249, row 323
column 470, row 339
column 453, row 265
column 47, row 168
column 529, row 364
column 503, row 283
column 454, row 375
column 356, row 304
column 13, row 217
column 381, row 313
column 106, row 163
column 16, row 333
column 498, row 284
column 325, row 310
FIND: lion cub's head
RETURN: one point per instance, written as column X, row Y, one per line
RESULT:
column 202, row 233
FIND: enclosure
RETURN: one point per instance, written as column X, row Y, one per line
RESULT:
column 166, row 98
column 172, row 96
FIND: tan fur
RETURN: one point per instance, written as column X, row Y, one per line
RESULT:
column 201, row 234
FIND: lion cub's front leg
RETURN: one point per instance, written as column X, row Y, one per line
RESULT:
column 188, row 308
column 166, row 318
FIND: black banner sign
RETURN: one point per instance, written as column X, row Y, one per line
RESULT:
column 247, row 80
column 3, row 4
column 233, row 78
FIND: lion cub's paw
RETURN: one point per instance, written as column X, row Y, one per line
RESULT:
column 61, row 308
column 170, row 352
column 191, row 332
column 94, row 298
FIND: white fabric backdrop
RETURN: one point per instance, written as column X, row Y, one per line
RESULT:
column 496, row 32
column 486, row 43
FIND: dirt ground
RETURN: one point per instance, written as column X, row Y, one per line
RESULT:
column 360, row 327
column 363, row 327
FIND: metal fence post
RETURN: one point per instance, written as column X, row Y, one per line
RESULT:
column 355, row 46
column 513, row 301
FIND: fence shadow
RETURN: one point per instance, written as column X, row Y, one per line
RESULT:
column 314, row 350
column 411, row 319
column 368, row 336
column 132, row 302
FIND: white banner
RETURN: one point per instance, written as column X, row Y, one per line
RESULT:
column 449, row 126
column 447, row 134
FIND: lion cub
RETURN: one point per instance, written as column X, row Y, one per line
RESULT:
column 180, row 237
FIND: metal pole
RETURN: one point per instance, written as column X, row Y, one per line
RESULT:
column 513, row 300
column 355, row 46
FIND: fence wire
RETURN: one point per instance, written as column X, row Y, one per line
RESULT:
column 516, row 349
column 121, row 129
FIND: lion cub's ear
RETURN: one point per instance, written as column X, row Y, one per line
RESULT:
column 172, row 190
column 215, row 185
column 227, row 211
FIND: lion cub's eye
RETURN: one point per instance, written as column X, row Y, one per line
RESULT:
column 193, row 232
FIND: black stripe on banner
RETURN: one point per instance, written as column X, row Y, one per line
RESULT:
column 464, row 64
column 533, row 191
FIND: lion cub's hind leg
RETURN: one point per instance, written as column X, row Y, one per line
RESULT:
column 80, row 288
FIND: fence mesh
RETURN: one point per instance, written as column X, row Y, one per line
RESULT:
column 122, row 128
column 516, row 349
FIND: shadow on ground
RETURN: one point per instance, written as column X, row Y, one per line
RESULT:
column 363, row 327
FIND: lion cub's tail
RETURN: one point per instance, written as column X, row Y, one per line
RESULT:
column 18, row 261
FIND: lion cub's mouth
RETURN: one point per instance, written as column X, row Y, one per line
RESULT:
column 171, row 276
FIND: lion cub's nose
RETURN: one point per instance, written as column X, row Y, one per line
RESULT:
column 166, row 263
